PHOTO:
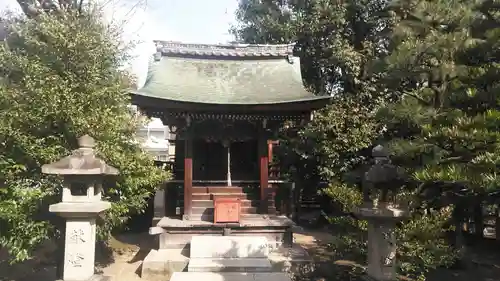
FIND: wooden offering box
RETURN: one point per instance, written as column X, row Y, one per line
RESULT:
column 227, row 210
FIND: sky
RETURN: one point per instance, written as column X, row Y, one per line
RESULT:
column 189, row 21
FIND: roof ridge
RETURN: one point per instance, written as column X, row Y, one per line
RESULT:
column 224, row 50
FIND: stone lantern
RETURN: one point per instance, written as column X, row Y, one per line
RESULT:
column 382, row 215
column 82, row 174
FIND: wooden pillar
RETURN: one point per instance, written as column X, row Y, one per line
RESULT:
column 264, row 172
column 188, row 176
column 270, row 150
column 264, row 167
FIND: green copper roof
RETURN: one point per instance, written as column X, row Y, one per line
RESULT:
column 211, row 74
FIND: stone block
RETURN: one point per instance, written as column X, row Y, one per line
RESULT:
column 295, row 261
column 95, row 277
column 230, row 276
column 181, row 240
column 160, row 264
column 229, row 265
column 229, row 247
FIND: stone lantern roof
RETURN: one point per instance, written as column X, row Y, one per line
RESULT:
column 82, row 161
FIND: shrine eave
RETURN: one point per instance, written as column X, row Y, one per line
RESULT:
column 167, row 105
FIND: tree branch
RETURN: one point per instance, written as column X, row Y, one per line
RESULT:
column 417, row 98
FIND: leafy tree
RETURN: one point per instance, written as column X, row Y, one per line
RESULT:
column 337, row 43
column 60, row 79
column 32, row 8
column 397, row 59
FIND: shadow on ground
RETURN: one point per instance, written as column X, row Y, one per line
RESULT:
column 121, row 249
column 122, row 255
column 42, row 266
column 483, row 260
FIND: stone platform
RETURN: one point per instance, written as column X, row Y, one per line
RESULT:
column 241, row 257
column 229, row 276
column 176, row 233
column 229, row 247
column 229, row 265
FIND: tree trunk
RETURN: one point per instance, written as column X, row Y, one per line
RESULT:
column 497, row 221
column 478, row 220
column 458, row 220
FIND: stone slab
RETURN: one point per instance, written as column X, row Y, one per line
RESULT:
column 229, row 265
column 208, row 246
column 250, row 220
column 79, row 209
column 295, row 261
column 230, row 276
column 180, row 239
column 95, row 277
column 382, row 213
column 159, row 264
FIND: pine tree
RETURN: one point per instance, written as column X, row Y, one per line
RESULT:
column 444, row 130
column 408, row 61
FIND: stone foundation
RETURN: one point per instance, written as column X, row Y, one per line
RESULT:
column 177, row 233
column 161, row 264
column 95, row 278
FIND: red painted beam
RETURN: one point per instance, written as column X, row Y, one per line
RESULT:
column 264, row 176
column 188, row 178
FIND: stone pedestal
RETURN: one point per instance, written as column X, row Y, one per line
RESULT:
column 80, row 238
column 79, row 254
column 381, row 240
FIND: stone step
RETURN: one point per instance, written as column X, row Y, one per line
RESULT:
column 210, row 211
column 210, row 203
column 209, row 246
column 230, row 276
column 209, row 196
column 229, row 265
column 160, row 263
column 210, row 217
column 217, row 189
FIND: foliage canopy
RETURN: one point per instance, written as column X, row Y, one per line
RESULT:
column 60, row 79
column 420, row 77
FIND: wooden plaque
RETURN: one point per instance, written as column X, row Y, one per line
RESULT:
column 227, row 210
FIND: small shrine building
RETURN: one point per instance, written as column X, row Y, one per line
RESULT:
column 224, row 105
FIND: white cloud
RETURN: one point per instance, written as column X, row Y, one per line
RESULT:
column 9, row 6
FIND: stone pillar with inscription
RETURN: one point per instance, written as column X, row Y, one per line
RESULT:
column 82, row 174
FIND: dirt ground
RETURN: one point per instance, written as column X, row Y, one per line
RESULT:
column 484, row 262
column 130, row 249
